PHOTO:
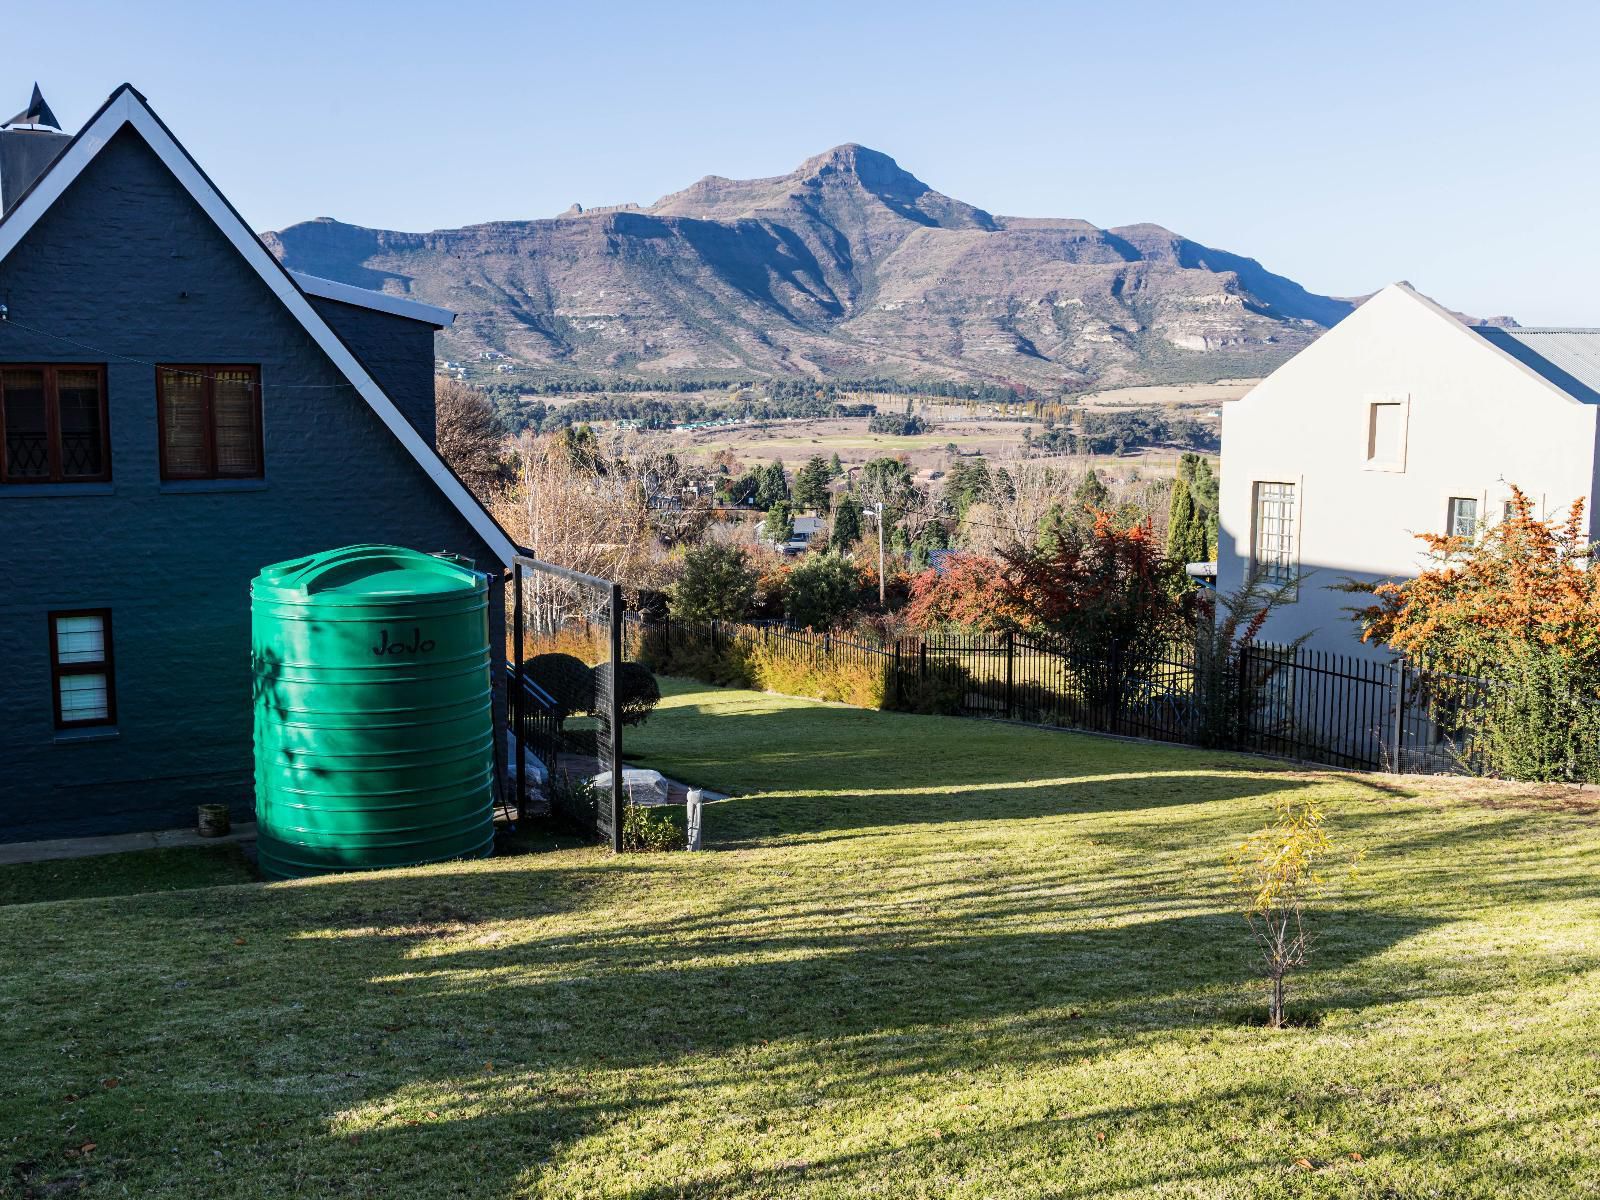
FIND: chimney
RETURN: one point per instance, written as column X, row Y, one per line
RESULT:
column 29, row 143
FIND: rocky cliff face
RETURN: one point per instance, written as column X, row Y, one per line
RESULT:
column 848, row 267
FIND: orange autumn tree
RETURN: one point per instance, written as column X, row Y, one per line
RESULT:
column 1111, row 603
column 967, row 591
column 1517, row 603
column 1518, row 585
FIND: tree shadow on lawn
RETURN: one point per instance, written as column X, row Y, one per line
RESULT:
column 594, row 1030
column 895, row 1005
column 865, row 804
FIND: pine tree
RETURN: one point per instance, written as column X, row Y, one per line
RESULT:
column 778, row 526
column 835, row 468
column 1055, row 530
column 1186, row 531
column 774, row 486
column 811, row 485
column 1204, row 487
column 846, row 525
column 1091, row 493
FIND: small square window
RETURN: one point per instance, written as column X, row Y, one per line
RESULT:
column 1386, row 435
column 1461, row 516
column 81, row 674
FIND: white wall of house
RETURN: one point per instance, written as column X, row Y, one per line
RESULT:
column 1472, row 420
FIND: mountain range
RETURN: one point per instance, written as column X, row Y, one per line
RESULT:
column 848, row 267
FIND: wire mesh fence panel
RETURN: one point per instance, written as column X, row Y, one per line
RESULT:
column 566, row 696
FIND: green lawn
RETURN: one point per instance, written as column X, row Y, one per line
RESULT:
column 124, row 874
column 926, row 957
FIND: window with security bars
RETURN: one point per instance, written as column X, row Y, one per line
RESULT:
column 1461, row 517
column 81, row 668
column 53, row 423
column 210, row 419
column 1273, row 551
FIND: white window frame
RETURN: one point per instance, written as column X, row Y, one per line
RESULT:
column 1450, row 503
column 1288, row 572
column 1369, row 461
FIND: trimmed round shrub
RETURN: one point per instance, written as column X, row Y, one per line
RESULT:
column 567, row 679
column 637, row 690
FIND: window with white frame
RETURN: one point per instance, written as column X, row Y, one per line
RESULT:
column 81, row 668
column 1386, row 435
column 1461, row 516
column 1273, row 551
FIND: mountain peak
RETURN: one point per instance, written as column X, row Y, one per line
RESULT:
column 848, row 174
column 850, row 158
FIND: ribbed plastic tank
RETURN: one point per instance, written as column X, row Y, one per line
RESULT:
column 374, row 719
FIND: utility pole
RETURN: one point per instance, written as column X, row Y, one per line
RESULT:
column 879, row 508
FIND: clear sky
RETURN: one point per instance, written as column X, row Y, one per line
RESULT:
column 1345, row 145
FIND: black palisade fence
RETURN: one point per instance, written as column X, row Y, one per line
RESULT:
column 1283, row 701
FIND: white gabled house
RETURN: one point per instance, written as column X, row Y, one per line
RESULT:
column 1402, row 419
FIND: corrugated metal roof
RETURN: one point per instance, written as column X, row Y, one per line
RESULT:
column 1568, row 358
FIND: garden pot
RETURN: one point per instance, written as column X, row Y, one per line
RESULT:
column 214, row 821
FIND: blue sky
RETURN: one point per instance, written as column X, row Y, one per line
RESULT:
column 1345, row 146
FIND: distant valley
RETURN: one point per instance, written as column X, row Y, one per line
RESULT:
column 848, row 268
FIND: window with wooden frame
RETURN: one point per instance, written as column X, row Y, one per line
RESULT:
column 53, row 426
column 210, row 421
column 81, row 668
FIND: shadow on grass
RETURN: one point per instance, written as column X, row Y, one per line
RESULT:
column 896, row 1004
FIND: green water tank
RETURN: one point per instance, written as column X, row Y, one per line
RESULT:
column 374, row 720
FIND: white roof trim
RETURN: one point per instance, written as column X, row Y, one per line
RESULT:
column 348, row 293
column 127, row 107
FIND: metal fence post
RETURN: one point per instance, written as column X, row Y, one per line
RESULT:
column 1241, row 718
column 515, row 700
column 1011, row 661
column 1397, row 761
column 616, row 718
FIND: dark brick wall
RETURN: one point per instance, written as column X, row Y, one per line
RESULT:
column 397, row 352
column 127, row 264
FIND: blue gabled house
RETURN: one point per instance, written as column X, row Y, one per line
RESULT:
column 176, row 410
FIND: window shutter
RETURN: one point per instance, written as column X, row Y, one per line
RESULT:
column 233, row 406
column 184, row 449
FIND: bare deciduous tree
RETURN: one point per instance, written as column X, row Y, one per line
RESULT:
column 468, row 436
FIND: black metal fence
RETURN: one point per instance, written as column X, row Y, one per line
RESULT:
column 572, row 731
column 1287, row 702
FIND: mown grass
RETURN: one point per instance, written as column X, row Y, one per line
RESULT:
column 926, row 957
column 128, row 874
